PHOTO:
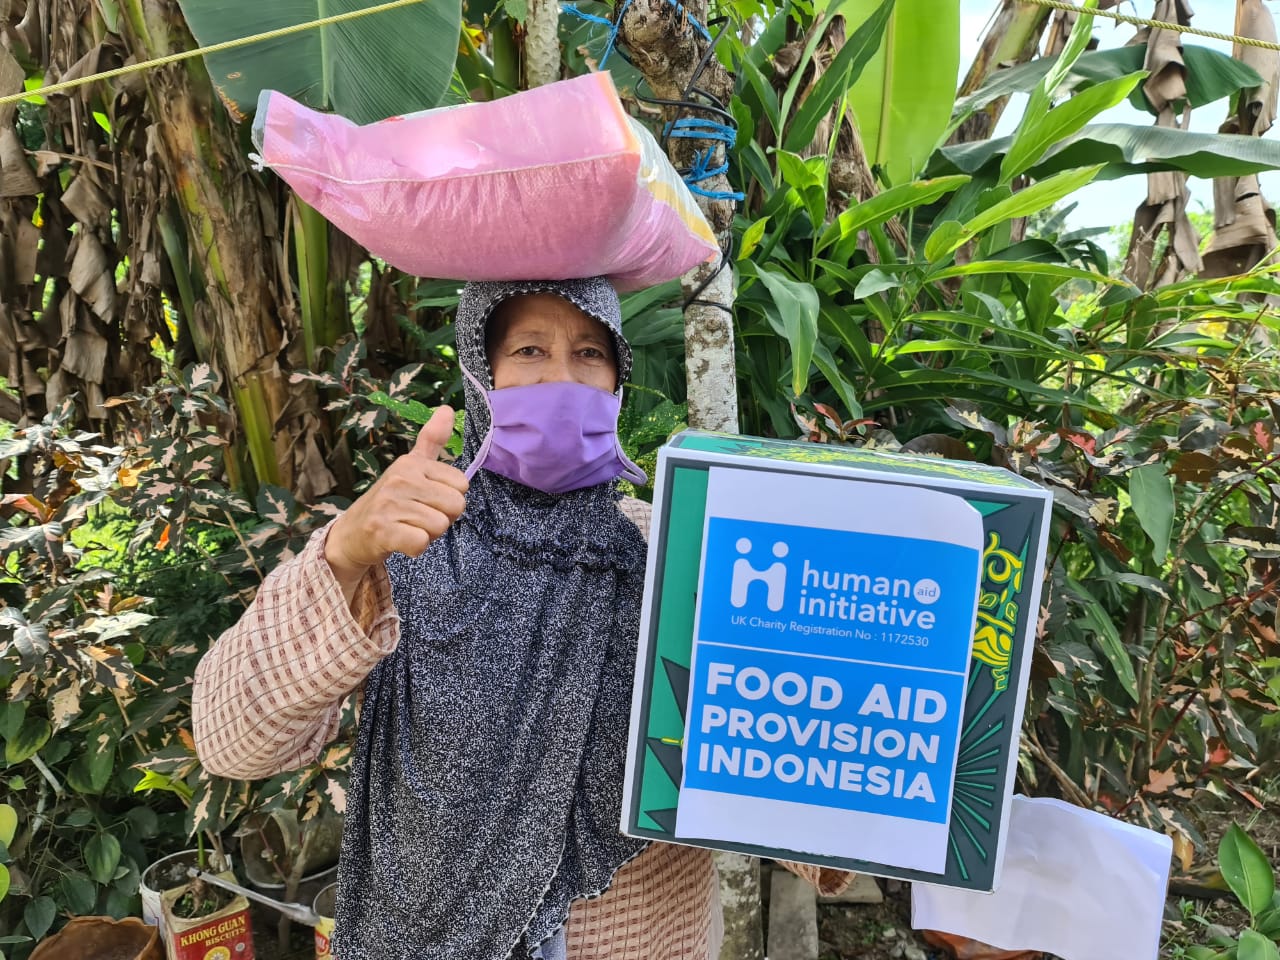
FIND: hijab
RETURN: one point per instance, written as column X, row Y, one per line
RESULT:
column 486, row 787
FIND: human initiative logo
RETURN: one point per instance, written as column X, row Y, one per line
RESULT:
column 832, row 593
column 773, row 577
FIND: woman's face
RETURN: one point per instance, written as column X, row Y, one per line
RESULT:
column 543, row 338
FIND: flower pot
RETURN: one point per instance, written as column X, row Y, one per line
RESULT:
column 325, row 905
column 279, row 838
column 170, row 872
column 102, row 938
column 222, row 933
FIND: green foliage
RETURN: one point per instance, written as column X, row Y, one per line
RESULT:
column 920, row 320
column 1251, row 878
column 1211, row 76
column 643, row 427
column 120, row 568
column 1127, row 150
column 332, row 68
column 903, row 100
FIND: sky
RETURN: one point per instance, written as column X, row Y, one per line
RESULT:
column 1111, row 202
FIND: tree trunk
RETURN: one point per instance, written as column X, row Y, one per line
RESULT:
column 242, row 312
column 667, row 50
column 1012, row 38
column 740, row 900
column 542, row 43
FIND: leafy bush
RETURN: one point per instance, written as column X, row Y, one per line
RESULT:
column 921, row 320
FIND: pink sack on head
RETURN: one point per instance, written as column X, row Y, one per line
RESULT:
column 553, row 184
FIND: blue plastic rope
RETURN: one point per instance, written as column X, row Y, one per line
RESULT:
column 690, row 128
column 697, row 128
column 613, row 33
column 616, row 25
column 583, row 15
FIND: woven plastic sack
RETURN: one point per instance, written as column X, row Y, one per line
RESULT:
column 554, row 183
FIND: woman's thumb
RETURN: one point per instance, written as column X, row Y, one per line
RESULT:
column 435, row 435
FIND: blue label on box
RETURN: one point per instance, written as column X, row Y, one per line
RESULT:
column 861, row 596
column 830, row 667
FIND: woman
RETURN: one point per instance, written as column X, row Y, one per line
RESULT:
column 492, row 617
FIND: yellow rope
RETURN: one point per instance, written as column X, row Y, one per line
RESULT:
column 1157, row 24
column 203, row 51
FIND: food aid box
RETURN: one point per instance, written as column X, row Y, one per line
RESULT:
column 834, row 655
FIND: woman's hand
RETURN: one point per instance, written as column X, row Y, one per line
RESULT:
column 413, row 503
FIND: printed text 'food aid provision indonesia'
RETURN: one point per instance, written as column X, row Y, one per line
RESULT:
column 829, row 670
column 843, row 735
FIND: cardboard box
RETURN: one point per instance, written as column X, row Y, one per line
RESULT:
column 834, row 656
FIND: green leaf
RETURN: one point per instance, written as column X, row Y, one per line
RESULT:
column 1127, row 149
column 886, row 205
column 1211, row 75
column 1018, row 268
column 39, row 915
column 152, row 780
column 843, row 70
column 1033, row 199
column 1108, row 637
column 90, row 771
column 11, row 716
column 1077, row 43
column 102, row 856
column 1254, row 946
column 377, row 66
column 411, row 411
column 765, row 95
column 1267, row 922
column 1246, row 870
column 1037, row 133
column 27, row 742
column 1150, row 584
column 1151, row 491
column 797, row 304
column 1198, row 951
column 807, row 176
column 903, row 98
column 78, row 893
column 751, row 238
column 946, row 236
column 875, row 281
column 8, row 823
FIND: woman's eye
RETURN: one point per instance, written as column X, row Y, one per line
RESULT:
column 527, row 351
column 593, row 353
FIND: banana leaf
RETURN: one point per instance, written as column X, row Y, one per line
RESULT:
column 1211, row 76
column 1124, row 150
column 903, row 98
column 368, row 69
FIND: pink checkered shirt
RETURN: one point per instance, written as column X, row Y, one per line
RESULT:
column 268, row 696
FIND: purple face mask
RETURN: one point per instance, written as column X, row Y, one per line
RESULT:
column 554, row 437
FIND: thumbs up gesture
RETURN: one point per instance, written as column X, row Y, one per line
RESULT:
column 413, row 503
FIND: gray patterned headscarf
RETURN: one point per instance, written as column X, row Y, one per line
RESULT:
column 487, row 782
